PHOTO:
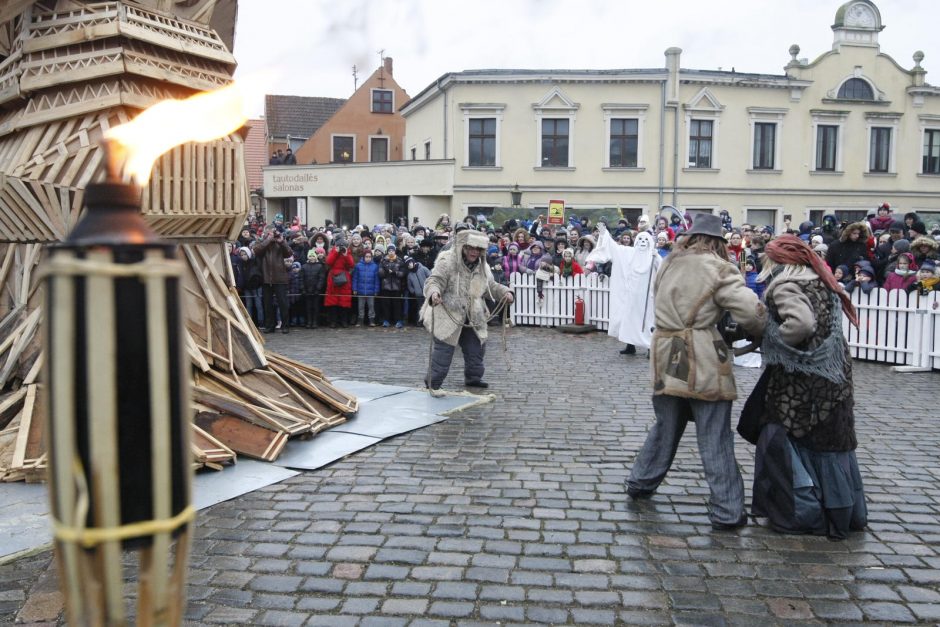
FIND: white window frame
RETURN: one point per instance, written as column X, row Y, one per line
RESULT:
column 475, row 111
column 388, row 147
column 333, row 136
column 544, row 110
column 927, row 123
column 766, row 115
column 829, row 118
column 777, row 209
column 372, row 100
column 891, row 121
column 703, row 106
column 627, row 112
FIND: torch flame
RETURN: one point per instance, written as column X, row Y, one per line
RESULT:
column 199, row 118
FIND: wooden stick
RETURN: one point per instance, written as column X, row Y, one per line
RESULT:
column 102, row 404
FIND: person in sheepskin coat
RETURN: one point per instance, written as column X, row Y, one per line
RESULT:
column 692, row 366
column 454, row 312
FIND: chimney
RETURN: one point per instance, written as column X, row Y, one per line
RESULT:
column 672, row 67
column 388, row 65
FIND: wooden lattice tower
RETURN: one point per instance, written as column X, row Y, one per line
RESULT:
column 69, row 70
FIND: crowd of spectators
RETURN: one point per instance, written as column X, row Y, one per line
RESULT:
column 291, row 275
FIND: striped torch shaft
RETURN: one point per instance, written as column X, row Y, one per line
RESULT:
column 117, row 404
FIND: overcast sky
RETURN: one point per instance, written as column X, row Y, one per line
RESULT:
column 308, row 47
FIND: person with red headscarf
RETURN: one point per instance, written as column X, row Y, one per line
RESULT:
column 808, row 420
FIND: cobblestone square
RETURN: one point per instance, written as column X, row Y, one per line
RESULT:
column 515, row 511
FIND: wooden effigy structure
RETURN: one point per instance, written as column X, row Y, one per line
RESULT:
column 70, row 70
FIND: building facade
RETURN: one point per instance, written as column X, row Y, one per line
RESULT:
column 840, row 134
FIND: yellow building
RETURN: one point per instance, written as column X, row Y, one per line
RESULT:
column 840, row 134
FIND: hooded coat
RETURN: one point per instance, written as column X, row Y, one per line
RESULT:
column 845, row 252
column 462, row 290
column 689, row 358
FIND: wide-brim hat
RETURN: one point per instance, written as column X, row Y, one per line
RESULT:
column 707, row 224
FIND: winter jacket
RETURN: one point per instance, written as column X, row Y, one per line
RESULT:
column 895, row 281
column 416, row 280
column 512, row 263
column 295, row 285
column 272, row 255
column 338, row 295
column 750, row 278
column 365, row 279
column 689, row 358
column 314, row 277
column 392, row 272
column 845, row 252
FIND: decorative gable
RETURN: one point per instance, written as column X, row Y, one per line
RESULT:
column 556, row 101
column 704, row 102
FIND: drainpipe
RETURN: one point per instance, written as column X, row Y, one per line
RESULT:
column 672, row 67
column 662, row 142
column 444, row 97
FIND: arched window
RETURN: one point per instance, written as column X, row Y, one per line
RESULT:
column 856, row 89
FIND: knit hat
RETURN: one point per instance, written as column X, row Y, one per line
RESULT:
column 567, row 253
column 513, row 245
column 867, row 271
column 816, row 240
column 897, row 225
column 902, row 246
column 845, row 269
column 246, row 250
column 313, row 253
column 930, row 265
column 379, row 248
column 492, row 250
column 295, row 266
column 821, row 248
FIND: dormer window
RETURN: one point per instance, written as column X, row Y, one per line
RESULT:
column 856, row 89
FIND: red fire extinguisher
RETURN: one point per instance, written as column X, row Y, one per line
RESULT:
column 579, row 310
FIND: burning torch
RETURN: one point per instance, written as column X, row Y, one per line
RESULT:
column 117, row 382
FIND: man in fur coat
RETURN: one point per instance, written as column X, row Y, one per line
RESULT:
column 692, row 368
column 454, row 311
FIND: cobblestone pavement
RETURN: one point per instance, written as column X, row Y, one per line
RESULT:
column 515, row 511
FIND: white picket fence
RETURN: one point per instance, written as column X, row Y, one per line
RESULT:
column 894, row 327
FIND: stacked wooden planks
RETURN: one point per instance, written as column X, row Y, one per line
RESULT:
column 69, row 71
column 246, row 401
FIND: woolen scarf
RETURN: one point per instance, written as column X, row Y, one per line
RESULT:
column 791, row 250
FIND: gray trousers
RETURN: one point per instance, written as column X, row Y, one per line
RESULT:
column 715, row 446
column 443, row 354
column 367, row 303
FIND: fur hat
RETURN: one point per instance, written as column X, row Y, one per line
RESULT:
column 922, row 241
column 473, row 239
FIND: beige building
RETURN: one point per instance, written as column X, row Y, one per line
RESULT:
column 841, row 134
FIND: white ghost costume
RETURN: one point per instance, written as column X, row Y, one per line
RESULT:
column 632, row 275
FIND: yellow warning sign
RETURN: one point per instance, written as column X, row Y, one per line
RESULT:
column 556, row 211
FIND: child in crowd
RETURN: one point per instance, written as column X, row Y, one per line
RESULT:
column 314, row 283
column 295, row 295
column 750, row 277
column 903, row 275
column 927, row 279
column 365, row 284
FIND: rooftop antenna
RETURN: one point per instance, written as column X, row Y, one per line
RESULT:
column 381, row 54
column 355, row 79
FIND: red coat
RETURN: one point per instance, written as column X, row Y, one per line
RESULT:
column 341, row 295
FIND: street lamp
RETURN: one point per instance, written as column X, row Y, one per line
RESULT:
column 516, row 196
